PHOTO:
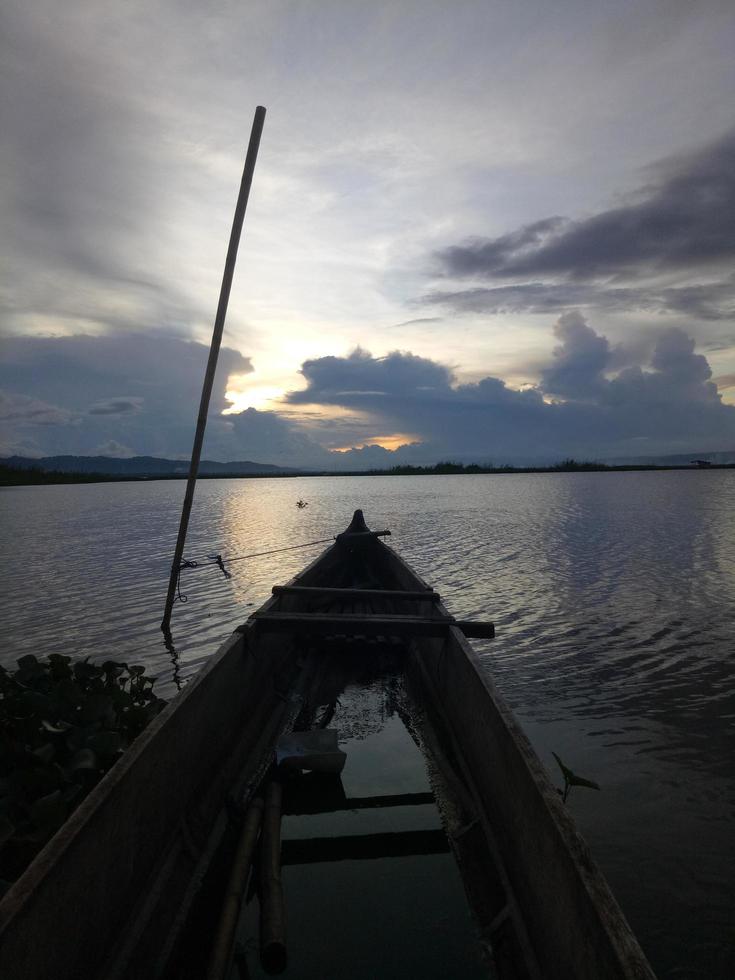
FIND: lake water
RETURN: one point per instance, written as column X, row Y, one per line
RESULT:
column 612, row 595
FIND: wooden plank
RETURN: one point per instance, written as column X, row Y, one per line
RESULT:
column 476, row 629
column 318, row 592
column 368, row 625
column 361, row 847
column 352, row 623
column 349, row 535
column 300, row 807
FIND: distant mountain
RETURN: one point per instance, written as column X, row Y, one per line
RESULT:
column 137, row 466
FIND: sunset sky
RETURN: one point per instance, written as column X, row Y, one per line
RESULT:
column 478, row 230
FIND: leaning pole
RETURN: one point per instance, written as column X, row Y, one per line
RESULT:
column 219, row 323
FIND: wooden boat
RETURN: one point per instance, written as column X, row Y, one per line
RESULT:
column 114, row 894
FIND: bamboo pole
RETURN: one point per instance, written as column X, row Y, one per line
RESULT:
column 233, row 896
column 219, row 323
column 272, row 910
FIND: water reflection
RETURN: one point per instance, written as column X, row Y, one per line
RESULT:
column 370, row 887
column 168, row 642
column 612, row 595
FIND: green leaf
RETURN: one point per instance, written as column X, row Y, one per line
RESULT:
column 105, row 743
column 112, row 670
column 36, row 702
column 58, row 658
column 58, row 728
column 83, row 759
column 28, row 661
column 68, row 691
column 88, row 676
column 6, row 829
column 38, row 781
column 76, row 739
column 97, row 707
column 71, row 794
column 45, row 752
column 49, row 812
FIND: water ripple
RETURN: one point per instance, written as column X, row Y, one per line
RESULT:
column 612, row 596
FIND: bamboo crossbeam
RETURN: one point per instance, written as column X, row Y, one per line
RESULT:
column 368, row 625
column 219, row 960
column 318, row 592
column 362, row 847
column 301, row 808
column 347, row 535
column 272, row 908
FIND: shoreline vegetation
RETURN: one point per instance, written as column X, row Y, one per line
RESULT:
column 11, row 476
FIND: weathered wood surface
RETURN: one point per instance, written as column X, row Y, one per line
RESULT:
column 364, row 847
column 366, row 624
column 310, row 805
column 98, row 873
column 352, row 536
column 163, row 793
column 322, row 592
column 239, row 873
column 272, row 907
column 575, row 926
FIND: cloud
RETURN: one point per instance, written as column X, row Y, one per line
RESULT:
column 360, row 379
column 682, row 222
column 685, row 217
column 23, row 409
column 55, row 381
column 113, row 449
column 592, row 399
column 711, row 301
column 578, row 362
column 116, row 406
column 265, row 437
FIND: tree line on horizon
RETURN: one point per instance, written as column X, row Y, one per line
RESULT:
column 14, row 476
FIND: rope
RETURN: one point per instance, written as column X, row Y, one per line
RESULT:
column 184, row 564
column 219, row 560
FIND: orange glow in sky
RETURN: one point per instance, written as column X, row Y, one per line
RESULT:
column 387, row 442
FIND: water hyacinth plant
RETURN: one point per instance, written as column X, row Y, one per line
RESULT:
column 63, row 724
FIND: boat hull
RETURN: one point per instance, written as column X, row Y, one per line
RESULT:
column 111, row 894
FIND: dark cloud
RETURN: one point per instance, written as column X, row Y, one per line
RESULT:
column 711, row 301
column 116, row 406
column 22, row 409
column 591, row 400
column 265, row 437
column 685, row 217
column 361, row 379
column 682, row 222
column 57, row 380
column 578, row 362
column 87, row 171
